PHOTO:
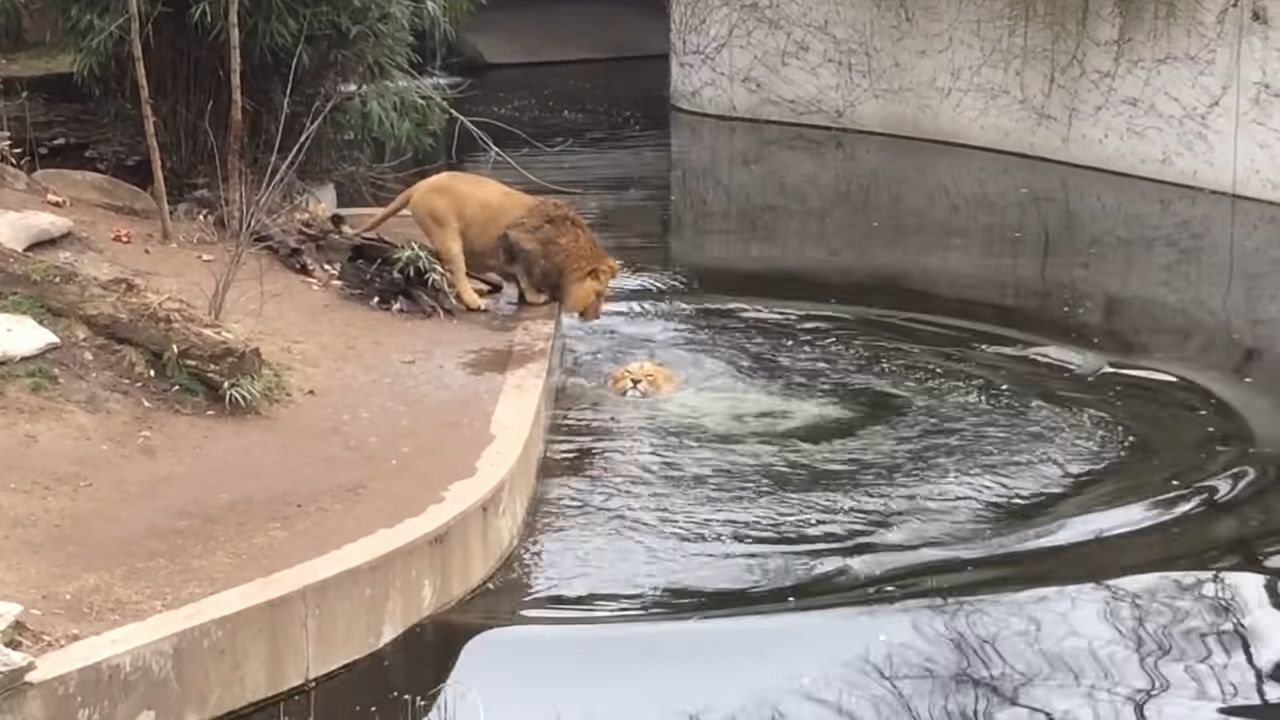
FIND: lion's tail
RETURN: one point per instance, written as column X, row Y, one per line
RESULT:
column 400, row 203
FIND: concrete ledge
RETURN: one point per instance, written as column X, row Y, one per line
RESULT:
column 514, row 33
column 267, row 636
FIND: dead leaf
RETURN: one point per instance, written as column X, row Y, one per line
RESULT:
column 121, row 235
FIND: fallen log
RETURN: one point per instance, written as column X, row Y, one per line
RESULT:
column 124, row 310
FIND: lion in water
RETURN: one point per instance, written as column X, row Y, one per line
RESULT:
column 478, row 224
column 642, row 378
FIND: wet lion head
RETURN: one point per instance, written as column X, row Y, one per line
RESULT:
column 642, row 378
column 586, row 291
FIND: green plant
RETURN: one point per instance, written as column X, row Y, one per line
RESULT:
column 11, row 21
column 415, row 262
column 42, row 378
column 20, row 304
column 40, row 270
column 255, row 392
column 361, row 57
column 180, row 377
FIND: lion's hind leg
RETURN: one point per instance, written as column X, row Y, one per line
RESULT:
column 517, row 261
column 447, row 242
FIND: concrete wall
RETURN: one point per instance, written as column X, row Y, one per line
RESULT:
column 1188, row 94
column 1167, row 275
column 516, row 32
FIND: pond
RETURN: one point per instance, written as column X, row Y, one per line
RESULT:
column 958, row 435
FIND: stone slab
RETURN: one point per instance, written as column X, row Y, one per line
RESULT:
column 20, row 230
column 101, row 190
column 22, row 337
column 11, row 178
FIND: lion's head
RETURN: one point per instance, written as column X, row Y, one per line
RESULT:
column 585, row 290
column 642, row 378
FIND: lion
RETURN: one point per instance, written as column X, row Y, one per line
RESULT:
column 642, row 378
column 553, row 254
column 465, row 218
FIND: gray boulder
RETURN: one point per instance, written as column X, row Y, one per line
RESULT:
column 14, row 666
column 20, row 230
column 101, row 190
column 11, row 178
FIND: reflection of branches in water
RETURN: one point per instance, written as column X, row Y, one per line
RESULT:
column 1233, row 612
column 981, row 658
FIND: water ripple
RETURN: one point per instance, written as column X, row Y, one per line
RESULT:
column 814, row 450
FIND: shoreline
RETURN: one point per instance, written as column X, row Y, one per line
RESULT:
column 232, row 649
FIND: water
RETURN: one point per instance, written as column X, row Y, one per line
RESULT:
column 811, row 450
column 958, row 435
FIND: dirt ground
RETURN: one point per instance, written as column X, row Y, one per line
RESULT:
column 120, row 498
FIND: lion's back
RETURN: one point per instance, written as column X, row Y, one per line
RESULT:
column 551, row 237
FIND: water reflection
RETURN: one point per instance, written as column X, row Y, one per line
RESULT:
column 1174, row 645
column 1169, row 275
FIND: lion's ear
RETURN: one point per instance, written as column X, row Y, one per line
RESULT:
column 604, row 273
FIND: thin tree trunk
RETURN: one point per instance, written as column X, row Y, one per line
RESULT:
column 235, row 125
column 149, row 118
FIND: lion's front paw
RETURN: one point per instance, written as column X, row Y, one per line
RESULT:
column 533, row 297
column 474, row 304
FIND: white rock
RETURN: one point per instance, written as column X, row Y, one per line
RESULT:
column 321, row 197
column 14, row 666
column 21, row 230
column 21, row 337
column 9, row 613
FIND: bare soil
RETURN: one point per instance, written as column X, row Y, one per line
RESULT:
column 122, row 496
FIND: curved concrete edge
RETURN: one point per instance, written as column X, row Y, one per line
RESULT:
column 687, row 109
column 270, row 635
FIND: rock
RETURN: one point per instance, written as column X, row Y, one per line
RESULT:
column 14, row 666
column 11, row 178
column 9, row 613
column 101, row 190
column 320, row 198
column 21, row 230
column 21, row 337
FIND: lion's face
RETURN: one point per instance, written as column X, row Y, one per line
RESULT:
column 642, row 378
column 586, row 294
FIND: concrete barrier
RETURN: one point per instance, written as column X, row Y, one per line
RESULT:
column 275, row 633
column 1179, row 92
column 518, row 32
